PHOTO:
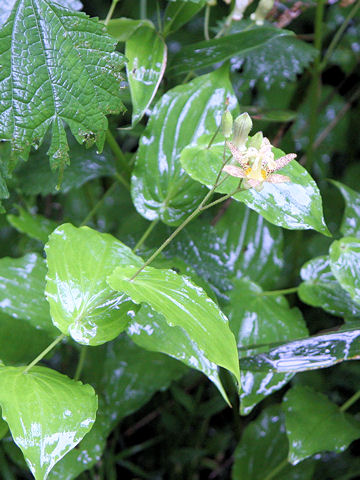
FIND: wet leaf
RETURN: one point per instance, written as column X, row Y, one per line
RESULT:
column 350, row 225
column 3, row 426
column 185, row 305
column 321, row 289
column 264, row 447
column 160, row 187
column 81, row 303
column 47, row 413
column 22, row 284
column 122, row 28
column 294, row 205
column 314, row 424
column 178, row 13
column 257, row 319
column 145, row 68
column 345, row 265
column 151, row 331
column 35, row 226
column 77, row 51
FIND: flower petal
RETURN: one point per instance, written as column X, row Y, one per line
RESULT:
column 282, row 161
column 234, row 171
column 235, row 152
column 276, row 178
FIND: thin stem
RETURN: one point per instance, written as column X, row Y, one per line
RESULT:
column 45, row 352
column 222, row 199
column 146, row 234
column 111, row 11
column 285, row 291
column 206, row 22
column 119, row 155
column 143, row 9
column 349, row 402
column 81, row 362
column 336, row 39
column 214, row 136
column 99, row 204
column 277, row 469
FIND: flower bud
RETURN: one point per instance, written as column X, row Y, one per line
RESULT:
column 261, row 11
column 227, row 124
column 256, row 141
column 239, row 8
column 241, row 129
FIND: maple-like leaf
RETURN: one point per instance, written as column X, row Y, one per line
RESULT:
column 57, row 66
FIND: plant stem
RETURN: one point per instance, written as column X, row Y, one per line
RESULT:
column 119, row 155
column 285, row 291
column 206, row 22
column 349, row 402
column 146, row 234
column 81, row 361
column 45, row 352
column 111, row 11
column 143, row 8
column 99, row 204
column 277, row 470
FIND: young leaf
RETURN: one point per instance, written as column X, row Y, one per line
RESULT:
column 314, row 424
column 160, row 187
column 185, row 305
column 47, row 413
column 122, row 28
column 257, row 319
column 179, row 12
column 81, row 303
column 145, row 68
column 58, row 66
column 35, row 226
column 294, row 205
column 350, row 225
column 345, row 265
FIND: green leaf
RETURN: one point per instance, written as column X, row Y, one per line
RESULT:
column 47, row 413
column 150, row 330
column 314, row 424
column 75, row 79
column 81, row 303
column 122, row 28
column 206, row 53
column 3, row 426
column 185, row 305
column 257, row 319
column 345, row 265
column 320, row 351
column 350, row 225
column 145, row 68
column 179, row 12
column 35, row 226
column 22, row 291
column 160, row 187
column 321, row 289
column 293, row 205
column 19, row 349
column 264, row 447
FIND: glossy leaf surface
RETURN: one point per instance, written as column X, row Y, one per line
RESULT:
column 178, row 13
column 22, row 284
column 256, row 319
column 47, row 413
column 65, row 85
column 145, row 68
column 81, row 303
column 294, row 205
column 263, row 447
column 321, row 289
column 122, row 28
column 314, row 424
column 35, row 226
column 151, row 331
column 311, row 353
column 350, row 225
column 345, row 265
column 160, row 187
column 185, row 305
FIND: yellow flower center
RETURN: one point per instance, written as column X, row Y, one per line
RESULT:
column 258, row 174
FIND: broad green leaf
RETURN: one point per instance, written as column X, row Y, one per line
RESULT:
column 293, row 205
column 311, row 353
column 350, row 225
column 4, row 192
column 185, row 305
column 35, row 226
column 35, row 176
column 19, row 349
column 321, row 289
column 62, row 69
column 160, row 187
column 145, row 68
column 204, row 54
column 47, row 413
column 22, row 284
column 81, row 303
column 258, row 319
column 179, row 12
column 125, row 378
column 264, row 447
column 314, row 424
column 345, row 265
column 122, row 28
column 151, row 331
